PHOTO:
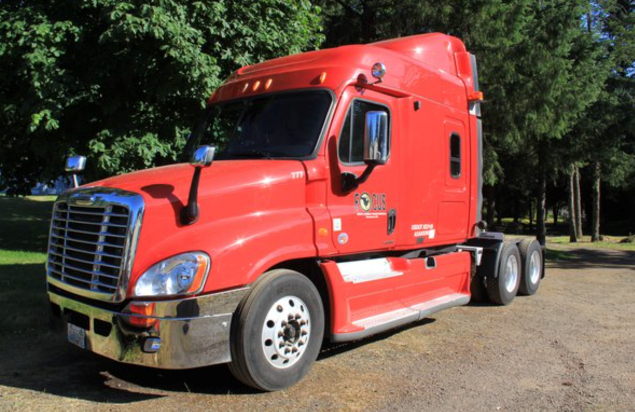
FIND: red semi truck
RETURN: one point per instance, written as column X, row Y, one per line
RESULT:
column 330, row 195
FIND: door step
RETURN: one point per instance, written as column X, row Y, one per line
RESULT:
column 389, row 320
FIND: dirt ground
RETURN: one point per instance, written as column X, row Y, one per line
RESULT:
column 571, row 347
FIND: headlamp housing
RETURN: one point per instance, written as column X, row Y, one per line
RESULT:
column 183, row 274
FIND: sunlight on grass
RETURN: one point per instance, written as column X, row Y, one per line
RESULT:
column 24, row 224
column 609, row 242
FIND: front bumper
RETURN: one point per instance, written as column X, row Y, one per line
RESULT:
column 193, row 332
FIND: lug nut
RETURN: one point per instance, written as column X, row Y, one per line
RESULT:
column 279, row 308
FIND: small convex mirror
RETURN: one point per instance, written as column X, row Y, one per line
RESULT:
column 376, row 138
column 75, row 164
column 203, row 156
column 378, row 71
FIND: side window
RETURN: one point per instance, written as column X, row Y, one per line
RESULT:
column 455, row 155
column 351, row 145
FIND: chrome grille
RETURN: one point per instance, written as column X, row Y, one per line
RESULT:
column 92, row 239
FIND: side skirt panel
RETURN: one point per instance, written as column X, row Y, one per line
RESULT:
column 391, row 320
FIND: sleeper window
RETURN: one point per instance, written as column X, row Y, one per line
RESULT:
column 455, row 155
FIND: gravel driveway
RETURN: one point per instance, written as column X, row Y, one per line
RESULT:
column 570, row 347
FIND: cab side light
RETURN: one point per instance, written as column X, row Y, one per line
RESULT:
column 476, row 97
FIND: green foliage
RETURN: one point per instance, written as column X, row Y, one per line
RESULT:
column 122, row 82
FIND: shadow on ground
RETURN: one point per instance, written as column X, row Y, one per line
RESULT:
column 586, row 258
column 24, row 223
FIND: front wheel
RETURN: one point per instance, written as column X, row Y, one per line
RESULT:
column 502, row 289
column 277, row 332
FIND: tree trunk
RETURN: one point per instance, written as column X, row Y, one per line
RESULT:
column 578, row 204
column 595, row 212
column 541, row 205
column 531, row 213
column 573, row 231
column 491, row 206
column 631, row 214
column 556, row 210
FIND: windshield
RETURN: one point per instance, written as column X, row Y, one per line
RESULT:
column 284, row 125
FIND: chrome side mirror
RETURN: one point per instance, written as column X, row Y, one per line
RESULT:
column 203, row 156
column 75, row 164
column 376, row 138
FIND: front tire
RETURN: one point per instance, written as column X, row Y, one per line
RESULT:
column 502, row 289
column 277, row 331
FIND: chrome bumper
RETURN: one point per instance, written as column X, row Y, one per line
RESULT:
column 193, row 332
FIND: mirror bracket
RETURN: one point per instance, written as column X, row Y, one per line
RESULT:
column 351, row 182
column 201, row 157
column 74, row 166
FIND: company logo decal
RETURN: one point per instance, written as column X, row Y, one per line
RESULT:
column 342, row 238
column 365, row 202
column 370, row 206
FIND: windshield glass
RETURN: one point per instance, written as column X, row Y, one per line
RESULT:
column 284, row 125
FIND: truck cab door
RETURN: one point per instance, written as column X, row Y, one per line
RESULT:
column 362, row 217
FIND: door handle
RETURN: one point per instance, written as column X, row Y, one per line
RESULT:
column 392, row 220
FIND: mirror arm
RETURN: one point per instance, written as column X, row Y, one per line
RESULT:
column 189, row 214
column 351, row 182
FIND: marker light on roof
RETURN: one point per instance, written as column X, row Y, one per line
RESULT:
column 256, row 85
column 268, row 84
column 245, row 87
column 322, row 77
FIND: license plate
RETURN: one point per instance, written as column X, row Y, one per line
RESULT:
column 77, row 336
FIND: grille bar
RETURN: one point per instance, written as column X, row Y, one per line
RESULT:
column 87, row 242
column 83, row 251
column 81, row 212
column 87, row 232
column 57, row 219
column 77, row 279
column 89, row 262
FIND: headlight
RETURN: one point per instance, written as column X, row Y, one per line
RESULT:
column 182, row 274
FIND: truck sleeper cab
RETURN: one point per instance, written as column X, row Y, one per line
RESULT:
column 335, row 194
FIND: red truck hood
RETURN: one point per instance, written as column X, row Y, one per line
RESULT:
column 171, row 184
column 238, row 199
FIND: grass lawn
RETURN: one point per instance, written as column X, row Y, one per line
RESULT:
column 24, row 226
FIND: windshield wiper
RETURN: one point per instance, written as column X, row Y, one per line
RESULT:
column 250, row 153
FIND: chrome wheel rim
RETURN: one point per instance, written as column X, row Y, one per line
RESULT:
column 535, row 266
column 511, row 273
column 286, row 332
